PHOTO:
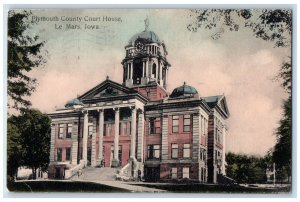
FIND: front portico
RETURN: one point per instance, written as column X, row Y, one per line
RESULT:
column 110, row 127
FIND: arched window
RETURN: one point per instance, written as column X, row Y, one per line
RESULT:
column 154, row 70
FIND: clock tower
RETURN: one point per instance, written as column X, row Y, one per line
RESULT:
column 145, row 62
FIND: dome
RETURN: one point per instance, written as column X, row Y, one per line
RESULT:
column 73, row 103
column 148, row 36
column 184, row 90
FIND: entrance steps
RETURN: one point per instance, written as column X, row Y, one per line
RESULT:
column 97, row 174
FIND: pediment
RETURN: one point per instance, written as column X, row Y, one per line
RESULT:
column 106, row 89
column 222, row 104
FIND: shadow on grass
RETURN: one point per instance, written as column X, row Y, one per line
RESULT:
column 61, row 186
column 210, row 188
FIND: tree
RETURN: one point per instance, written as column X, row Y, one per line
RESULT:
column 268, row 24
column 14, row 158
column 274, row 25
column 246, row 169
column 35, row 140
column 28, row 141
column 23, row 54
column 283, row 149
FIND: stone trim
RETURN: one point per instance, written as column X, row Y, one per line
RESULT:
column 164, row 138
column 52, row 143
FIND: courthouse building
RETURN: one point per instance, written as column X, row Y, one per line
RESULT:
column 138, row 127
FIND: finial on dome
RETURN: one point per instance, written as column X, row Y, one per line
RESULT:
column 146, row 23
column 107, row 77
column 184, row 83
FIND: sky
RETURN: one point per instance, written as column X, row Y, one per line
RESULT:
column 237, row 65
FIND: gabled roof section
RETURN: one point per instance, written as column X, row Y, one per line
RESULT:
column 107, row 89
column 218, row 102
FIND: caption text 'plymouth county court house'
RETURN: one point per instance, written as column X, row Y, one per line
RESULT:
column 138, row 127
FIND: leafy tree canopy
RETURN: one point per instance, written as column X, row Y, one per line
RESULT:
column 268, row 24
column 23, row 54
column 28, row 141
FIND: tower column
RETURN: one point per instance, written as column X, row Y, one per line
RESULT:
column 128, row 71
column 147, row 70
column 131, row 70
column 160, row 74
column 115, row 162
column 143, row 69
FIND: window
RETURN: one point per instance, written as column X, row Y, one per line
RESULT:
column 154, row 126
column 157, row 126
column 59, row 154
column 174, row 151
column 60, row 131
column 203, row 175
column 90, row 131
column 80, row 153
column 153, row 151
column 124, row 128
column 107, row 129
column 154, row 70
column 120, row 153
column 185, row 172
column 174, row 173
column 202, row 154
column 68, row 154
column 216, row 157
column 218, row 136
column 69, row 130
column 186, row 150
column 175, row 124
column 187, row 123
column 151, row 126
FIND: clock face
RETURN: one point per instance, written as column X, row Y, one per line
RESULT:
column 139, row 45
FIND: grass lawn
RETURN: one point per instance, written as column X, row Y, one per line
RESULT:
column 206, row 188
column 61, row 186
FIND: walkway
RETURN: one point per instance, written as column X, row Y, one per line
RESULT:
column 106, row 176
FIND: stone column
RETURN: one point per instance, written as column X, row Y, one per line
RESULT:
column 147, row 69
column 115, row 162
column 85, row 137
column 223, row 170
column 74, row 149
column 131, row 72
column 93, row 155
column 143, row 69
column 133, row 132
column 196, row 136
column 166, row 78
column 52, row 143
column 160, row 74
column 128, row 67
column 100, row 131
column 141, row 125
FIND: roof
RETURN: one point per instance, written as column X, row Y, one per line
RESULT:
column 73, row 102
column 218, row 102
column 212, row 100
column 183, row 91
column 148, row 35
